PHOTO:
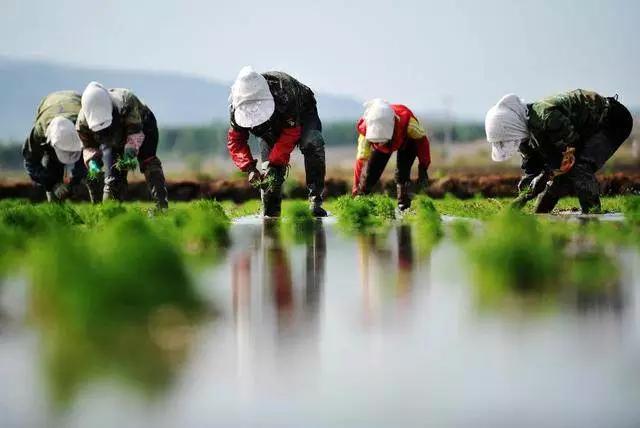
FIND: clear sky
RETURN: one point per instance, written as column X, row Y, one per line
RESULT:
column 415, row 52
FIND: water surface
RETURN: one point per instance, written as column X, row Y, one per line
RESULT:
column 336, row 331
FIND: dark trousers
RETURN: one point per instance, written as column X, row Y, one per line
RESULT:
column 311, row 145
column 595, row 152
column 115, row 181
column 405, row 157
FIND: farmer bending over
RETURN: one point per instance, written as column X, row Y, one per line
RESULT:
column 118, row 129
column 54, row 143
column 563, row 141
column 282, row 113
column 386, row 128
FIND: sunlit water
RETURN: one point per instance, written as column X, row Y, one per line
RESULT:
column 362, row 331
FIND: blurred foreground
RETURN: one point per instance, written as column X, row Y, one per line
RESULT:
column 363, row 321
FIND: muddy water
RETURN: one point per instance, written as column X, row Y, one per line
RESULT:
column 335, row 331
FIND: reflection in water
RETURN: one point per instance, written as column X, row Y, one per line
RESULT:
column 145, row 354
column 387, row 268
column 290, row 348
column 277, row 286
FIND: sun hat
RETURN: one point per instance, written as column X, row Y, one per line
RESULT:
column 251, row 99
column 380, row 120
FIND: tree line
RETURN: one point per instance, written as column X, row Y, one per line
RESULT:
column 210, row 140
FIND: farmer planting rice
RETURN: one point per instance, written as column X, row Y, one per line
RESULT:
column 386, row 128
column 563, row 140
column 53, row 144
column 119, row 131
column 282, row 113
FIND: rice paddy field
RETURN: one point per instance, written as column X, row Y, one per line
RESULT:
column 458, row 312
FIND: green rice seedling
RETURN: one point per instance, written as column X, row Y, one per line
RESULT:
column 125, row 308
column 60, row 214
column 479, row 208
column 364, row 213
column 592, row 273
column 297, row 221
column 631, row 210
column 461, row 230
column 203, row 225
column 38, row 218
column 126, row 163
column 514, row 253
column 427, row 221
column 10, row 244
column 95, row 215
column 234, row 210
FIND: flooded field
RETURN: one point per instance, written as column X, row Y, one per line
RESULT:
column 333, row 330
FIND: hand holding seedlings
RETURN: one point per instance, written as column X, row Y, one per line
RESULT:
column 254, row 177
column 95, row 168
column 537, row 186
column 127, row 162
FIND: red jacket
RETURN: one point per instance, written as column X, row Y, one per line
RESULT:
column 398, row 141
column 238, row 145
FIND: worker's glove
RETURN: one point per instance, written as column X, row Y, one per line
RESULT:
column 568, row 160
column 539, row 183
column 529, row 192
column 255, row 178
column 61, row 191
column 423, row 179
column 94, row 169
column 130, row 151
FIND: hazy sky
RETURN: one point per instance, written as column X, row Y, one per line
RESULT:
column 415, row 52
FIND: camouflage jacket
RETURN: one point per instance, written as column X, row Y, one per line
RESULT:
column 561, row 121
column 129, row 114
column 293, row 101
column 62, row 103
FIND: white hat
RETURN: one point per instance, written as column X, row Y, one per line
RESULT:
column 380, row 120
column 97, row 106
column 506, row 126
column 251, row 98
column 61, row 134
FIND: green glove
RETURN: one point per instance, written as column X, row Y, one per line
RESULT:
column 94, row 169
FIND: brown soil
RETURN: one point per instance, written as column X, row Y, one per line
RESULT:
column 459, row 185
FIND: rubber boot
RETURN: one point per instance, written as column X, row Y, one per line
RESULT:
column 315, row 205
column 589, row 197
column 546, row 202
column 272, row 197
column 315, row 170
column 553, row 191
column 95, row 189
column 404, row 201
column 271, row 203
column 115, row 185
column 156, row 183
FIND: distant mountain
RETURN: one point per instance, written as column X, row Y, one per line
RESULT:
column 175, row 99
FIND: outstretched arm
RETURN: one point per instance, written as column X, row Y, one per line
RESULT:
column 416, row 132
column 362, row 156
column 238, row 145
